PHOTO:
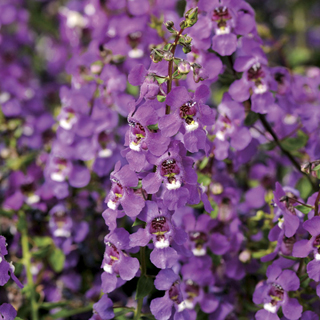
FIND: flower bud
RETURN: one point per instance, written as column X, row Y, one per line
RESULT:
column 191, row 17
column 184, row 67
column 168, row 56
column 169, row 24
column 155, row 56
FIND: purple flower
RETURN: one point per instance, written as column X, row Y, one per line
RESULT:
column 161, row 308
column 302, row 248
column 256, row 78
column 190, row 116
column 7, row 312
column 175, row 170
column 6, row 267
column 273, row 295
column 121, row 193
column 290, row 222
column 103, row 309
column 163, row 233
column 116, row 261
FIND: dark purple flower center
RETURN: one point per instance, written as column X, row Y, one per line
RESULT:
column 103, row 140
column 60, row 219
column 117, row 190
column 221, row 13
column 198, row 237
column 276, row 292
column 316, row 242
column 111, row 254
column 188, row 111
column 134, row 38
column 287, row 245
column 255, row 73
column 279, row 77
column 137, row 130
column 159, row 226
column 174, row 293
column 192, row 289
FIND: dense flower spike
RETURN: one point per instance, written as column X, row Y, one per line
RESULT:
column 185, row 123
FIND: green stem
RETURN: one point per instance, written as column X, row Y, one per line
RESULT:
column 170, row 67
column 137, row 312
column 26, row 258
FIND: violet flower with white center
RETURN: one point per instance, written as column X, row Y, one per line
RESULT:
column 303, row 248
column 197, row 274
column 274, row 294
column 141, row 139
column 175, row 170
column 290, row 222
column 230, row 125
column 163, row 233
column 256, row 78
column 162, row 308
column 116, row 261
column 121, row 193
column 190, row 116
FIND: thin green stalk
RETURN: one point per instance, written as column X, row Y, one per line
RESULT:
column 26, row 258
column 170, row 67
column 137, row 312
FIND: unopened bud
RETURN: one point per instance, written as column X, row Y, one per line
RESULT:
column 168, row 56
column 184, row 67
column 155, row 56
column 169, row 24
column 191, row 17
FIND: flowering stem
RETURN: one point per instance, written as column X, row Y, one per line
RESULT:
column 137, row 312
column 170, row 67
column 26, row 257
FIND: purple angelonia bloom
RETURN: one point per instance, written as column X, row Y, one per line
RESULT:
column 141, row 139
column 302, row 248
column 103, row 309
column 161, row 229
column 175, row 170
column 162, row 308
column 256, row 78
column 190, row 116
column 7, row 312
column 197, row 274
column 230, row 126
column 6, row 267
column 116, row 261
column 289, row 221
column 274, row 294
column 122, row 193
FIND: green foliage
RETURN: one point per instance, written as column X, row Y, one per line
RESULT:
column 144, row 287
column 56, row 260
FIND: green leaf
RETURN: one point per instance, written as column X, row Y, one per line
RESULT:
column 161, row 98
column 294, row 144
column 203, row 163
column 18, row 318
column 290, row 257
column 268, row 146
column 138, row 222
column 204, row 179
column 304, row 186
column 318, row 174
column 42, row 241
column 161, row 80
column 153, row 127
column 56, row 260
column 144, row 287
column 251, row 118
column 303, row 209
column 52, row 305
column 316, row 168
